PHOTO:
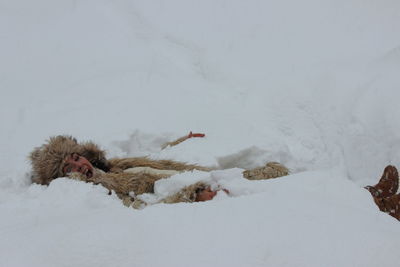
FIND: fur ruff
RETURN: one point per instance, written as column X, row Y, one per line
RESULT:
column 48, row 160
column 119, row 165
column 122, row 183
column 187, row 194
column 139, row 183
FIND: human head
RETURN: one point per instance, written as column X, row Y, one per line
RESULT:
column 48, row 160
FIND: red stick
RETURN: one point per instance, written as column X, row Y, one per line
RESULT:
column 195, row 135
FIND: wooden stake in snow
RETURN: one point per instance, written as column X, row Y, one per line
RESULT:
column 181, row 139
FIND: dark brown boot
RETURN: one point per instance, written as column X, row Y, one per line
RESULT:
column 388, row 184
column 389, row 205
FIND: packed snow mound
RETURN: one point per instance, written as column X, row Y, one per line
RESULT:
column 311, row 84
column 308, row 219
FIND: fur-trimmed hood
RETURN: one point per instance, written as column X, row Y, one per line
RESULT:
column 48, row 160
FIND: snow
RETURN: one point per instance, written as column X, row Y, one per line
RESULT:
column 311, row 84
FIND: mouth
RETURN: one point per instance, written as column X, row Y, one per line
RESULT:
column 89, row 173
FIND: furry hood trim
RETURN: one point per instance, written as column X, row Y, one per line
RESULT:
column 48, row 160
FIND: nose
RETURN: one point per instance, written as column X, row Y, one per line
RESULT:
column 78, row 166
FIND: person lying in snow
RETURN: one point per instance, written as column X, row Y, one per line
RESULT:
column 63, row 156
column 384, row 192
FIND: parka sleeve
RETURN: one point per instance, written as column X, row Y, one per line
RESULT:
column 121, row 164
column 187, row 194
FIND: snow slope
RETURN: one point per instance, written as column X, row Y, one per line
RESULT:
column 312, row 84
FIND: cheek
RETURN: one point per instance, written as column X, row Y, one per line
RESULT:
column 74, row 168
column 81, row 162
column 86, row 162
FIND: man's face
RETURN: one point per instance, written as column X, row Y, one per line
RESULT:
column 77, row 163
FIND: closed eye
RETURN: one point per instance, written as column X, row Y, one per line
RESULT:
column 75, row 157
column 67, row 169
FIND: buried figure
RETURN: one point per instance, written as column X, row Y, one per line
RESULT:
column 384, row 192
column 63, row 156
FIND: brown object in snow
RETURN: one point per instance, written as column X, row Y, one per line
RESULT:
column 389, row 205
column 388, row 184
column 384, row 192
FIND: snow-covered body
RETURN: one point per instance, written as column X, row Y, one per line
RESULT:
column 311, row 84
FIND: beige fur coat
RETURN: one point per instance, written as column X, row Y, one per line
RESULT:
column 127, row 177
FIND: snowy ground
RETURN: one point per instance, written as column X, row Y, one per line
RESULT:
column 312, row 84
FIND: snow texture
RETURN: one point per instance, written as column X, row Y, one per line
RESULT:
column 311, row 84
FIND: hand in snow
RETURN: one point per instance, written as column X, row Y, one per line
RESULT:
column 208, row 194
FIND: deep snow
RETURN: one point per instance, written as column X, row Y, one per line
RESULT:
column 312, row 84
